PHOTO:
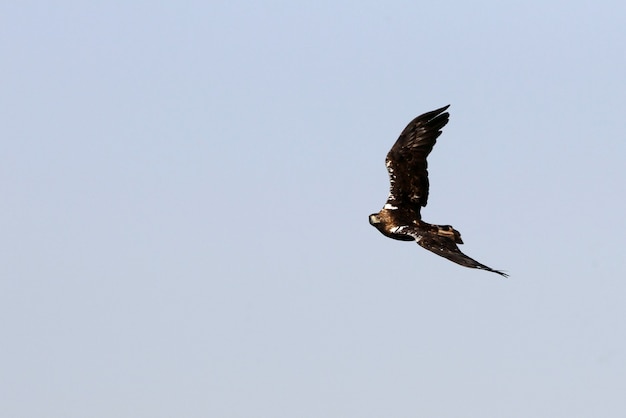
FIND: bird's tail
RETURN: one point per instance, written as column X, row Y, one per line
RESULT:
column 448, row 231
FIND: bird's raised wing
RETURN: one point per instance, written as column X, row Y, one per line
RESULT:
column 447, row 248
column 406, row 161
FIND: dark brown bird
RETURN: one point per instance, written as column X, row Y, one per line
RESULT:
column 400, row 218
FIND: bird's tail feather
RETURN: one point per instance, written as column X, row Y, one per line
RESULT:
column 449, row 232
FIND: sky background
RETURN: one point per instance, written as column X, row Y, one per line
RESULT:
column 186, row 186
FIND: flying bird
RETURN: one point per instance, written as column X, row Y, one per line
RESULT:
column 400, row 218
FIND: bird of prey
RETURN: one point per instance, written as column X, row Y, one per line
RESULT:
column 400, row 217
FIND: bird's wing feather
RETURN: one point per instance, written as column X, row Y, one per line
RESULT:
column 447, row 248
column 406, row 161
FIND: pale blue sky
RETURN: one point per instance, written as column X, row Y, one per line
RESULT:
column 186, row 190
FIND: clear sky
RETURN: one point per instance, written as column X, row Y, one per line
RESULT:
column 185, row 192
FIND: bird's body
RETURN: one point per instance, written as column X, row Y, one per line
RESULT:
column 400, row 217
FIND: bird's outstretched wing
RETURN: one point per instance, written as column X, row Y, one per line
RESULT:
column 446, row 247
column 406, row 161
